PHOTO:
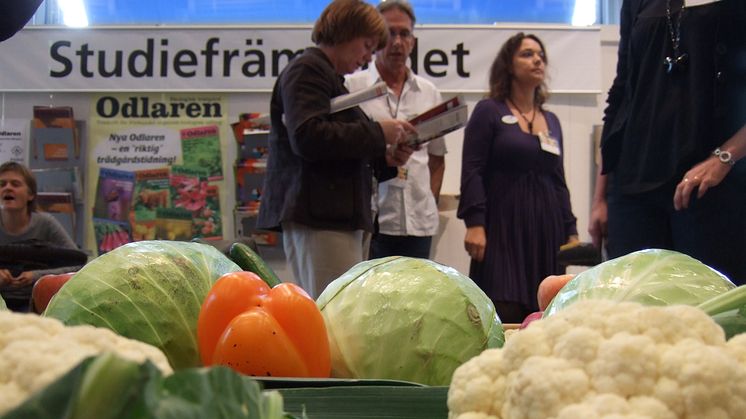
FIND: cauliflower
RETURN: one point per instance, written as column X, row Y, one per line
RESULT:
column 600, row 359
column 34, row 351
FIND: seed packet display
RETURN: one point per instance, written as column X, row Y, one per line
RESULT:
column 143, row 229
column 188, row 187
column 152, row 191
column 113, row 194
column 110, row 234
column 207, row 223
column 173, row 224
column 200, row 148
column 191, row 191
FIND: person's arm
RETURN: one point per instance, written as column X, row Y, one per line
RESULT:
column 6, row 277
column 49, row 231
column 710, row 172
column 563, row 192
column 55, row 234
column 315, row 134
column 599, row 211
column 28, row 278
column 597, row 223
column 619, row 85
column 478, row 136
column 437, row 166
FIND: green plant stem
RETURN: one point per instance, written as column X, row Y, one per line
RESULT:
column 729, row 300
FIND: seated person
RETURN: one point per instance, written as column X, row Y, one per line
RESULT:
column 21, row 223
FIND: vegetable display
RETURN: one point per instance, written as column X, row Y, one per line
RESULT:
column 45, row 288
column 651, row 277
column 111, row 387
column 406, row 319
column 599, row 358
column 249, row 260
column 262, row 331
column 728, row 310
column 151, row 291
column 35, row 351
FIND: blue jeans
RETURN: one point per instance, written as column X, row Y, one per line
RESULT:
column 712, row 229
column 383, row 245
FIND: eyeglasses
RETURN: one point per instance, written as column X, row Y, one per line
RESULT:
column 405, row 35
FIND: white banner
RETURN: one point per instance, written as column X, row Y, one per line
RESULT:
column 225, row 59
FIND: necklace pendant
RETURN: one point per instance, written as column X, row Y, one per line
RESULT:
column 674, row 65
column 669, row 64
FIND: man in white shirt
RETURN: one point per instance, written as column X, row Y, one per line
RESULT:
column 407, row 204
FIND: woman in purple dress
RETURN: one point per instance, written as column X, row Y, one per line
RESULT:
column 514, row 199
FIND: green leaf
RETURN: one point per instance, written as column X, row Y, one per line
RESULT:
column 109, row 387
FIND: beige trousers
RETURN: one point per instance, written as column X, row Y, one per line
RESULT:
column 318, row 257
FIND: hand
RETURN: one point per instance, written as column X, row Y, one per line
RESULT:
column 475, row 242
column 598, row 223
column 5, row 277
column 572, row 241
column 23, row 280
column 395, row 132
column 398, row 155
column 703, row 176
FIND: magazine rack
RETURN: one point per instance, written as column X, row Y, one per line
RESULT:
column 249, row 170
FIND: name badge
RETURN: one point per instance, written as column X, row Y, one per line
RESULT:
column 400, row 181
column 549, row 144
column 509, row 119
column 693, row 3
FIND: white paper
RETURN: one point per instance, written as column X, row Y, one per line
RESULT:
column 439, row 125
column 14, row 141
column 350, row 100
column 694, row 3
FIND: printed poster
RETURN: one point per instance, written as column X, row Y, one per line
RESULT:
column 14, row 141
column 147, row 134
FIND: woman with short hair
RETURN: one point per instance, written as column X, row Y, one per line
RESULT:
column 21, row 223
column 318, row 186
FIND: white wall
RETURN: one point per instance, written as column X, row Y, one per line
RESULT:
column 577, row 112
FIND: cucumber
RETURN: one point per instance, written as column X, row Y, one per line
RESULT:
column 246, row 258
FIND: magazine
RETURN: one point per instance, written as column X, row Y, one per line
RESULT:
column 173, row 224
column 351, row 100
column 113, row 194
column 200, row 148
column 249, row 122
column 439, row 120
column 110, row 234
column 54, row 134
column 151, row 192
column 191, row 192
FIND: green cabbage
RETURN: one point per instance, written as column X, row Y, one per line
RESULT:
column 150, row 291
column 652, row 277
column 406, row 319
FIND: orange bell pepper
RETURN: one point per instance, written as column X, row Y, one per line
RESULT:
column 262, row 331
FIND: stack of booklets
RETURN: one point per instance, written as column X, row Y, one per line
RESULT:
column 440, row 120
column 436, row 122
